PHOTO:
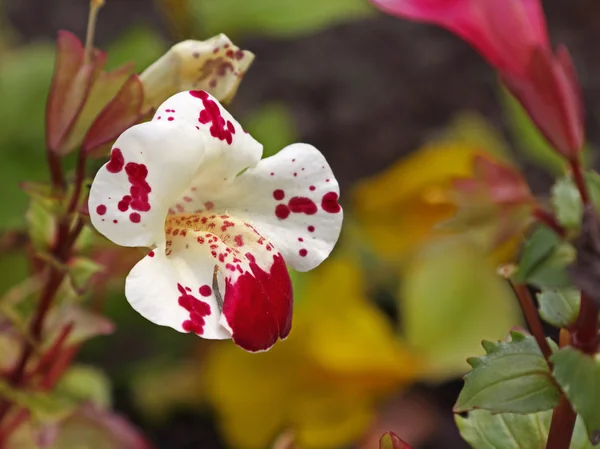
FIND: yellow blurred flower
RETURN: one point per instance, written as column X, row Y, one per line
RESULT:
column 403, row 208
column 324, row 382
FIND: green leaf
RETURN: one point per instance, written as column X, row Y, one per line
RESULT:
column 273, row 126
column 86, row 383
column 566, row 203
column 81, row 270
column 578, row 375
column 530, row 141
column 559, row 307
column 275, row 17
column 544, row 261
column 452, row 282
column 40, row 222
column 485, row 430
column 513, row 377
column 43, row 406
column 566, row 200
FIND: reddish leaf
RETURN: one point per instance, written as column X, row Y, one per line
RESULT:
column 551, row 95
column 70, row 87
column 390, row 440
column 121, row 113
column 102, row 92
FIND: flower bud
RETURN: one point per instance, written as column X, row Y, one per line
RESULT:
column 215, row 65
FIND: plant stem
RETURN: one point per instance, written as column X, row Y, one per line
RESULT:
column 95, row 6
column 585, row 335
column 562, row 425
column 533, row 320
column 547, row 218
column 56, row 175
column 579, row 179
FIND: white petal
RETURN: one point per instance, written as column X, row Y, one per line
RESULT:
column 229, row 149
column 239, row 276
column 171, row 291
column 292, row 199
column 151, row 165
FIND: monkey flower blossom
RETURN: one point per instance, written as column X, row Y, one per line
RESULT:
column 221, row 223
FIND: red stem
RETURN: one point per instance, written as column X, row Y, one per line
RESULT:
column 533, row 320
column 547, row 218
column 78, row 183
column 562, row 425
column 579, row 179
column 56, row 175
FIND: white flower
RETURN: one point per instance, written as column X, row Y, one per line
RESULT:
column 220, row 237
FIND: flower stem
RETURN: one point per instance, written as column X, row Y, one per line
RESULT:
column 533, row 320
column 95, row 6
column 579, row 179
column 547, row 218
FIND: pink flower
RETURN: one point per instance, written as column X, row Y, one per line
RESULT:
column 504, row 32
column 512, row 36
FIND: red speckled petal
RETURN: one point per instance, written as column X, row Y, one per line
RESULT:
column 229, row 149
column 292, row 199
column 151, row 164
column 176, row 291
column 239, row 269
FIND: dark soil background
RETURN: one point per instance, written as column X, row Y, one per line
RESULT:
column 365, row 93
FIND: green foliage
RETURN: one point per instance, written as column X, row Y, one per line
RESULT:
column 544, row 261
column 566, row 201
column 272, row 126
column 24, row 80
column 86, row 383
column 451, row 282
column 530, row 141
column 275, row 17
column 485, row 430
column 81, row 269
column 40, row 222
column 578, row 375
column 559, row 307
column 512, row 377
column 43, row 406
column 139, row 45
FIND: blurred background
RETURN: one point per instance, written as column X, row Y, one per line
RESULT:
column 382, row 329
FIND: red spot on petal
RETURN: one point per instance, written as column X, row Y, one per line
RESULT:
column 115, row 221
column 303, row 252
column 282, row 211
column 196, row 308
column 212, row 114
column 209, row 205
column 272, row 173
column 278, row 194
column 238, row 240
column 140, row 189
column 135, row 217
column 300, row 239
column 171, row 119
column 312, row 188
column 311, row 229
column 300, row 204
column 205, row 290
column 151, row 254
column 101, row 209
column 115, row 165
column 330, row 204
